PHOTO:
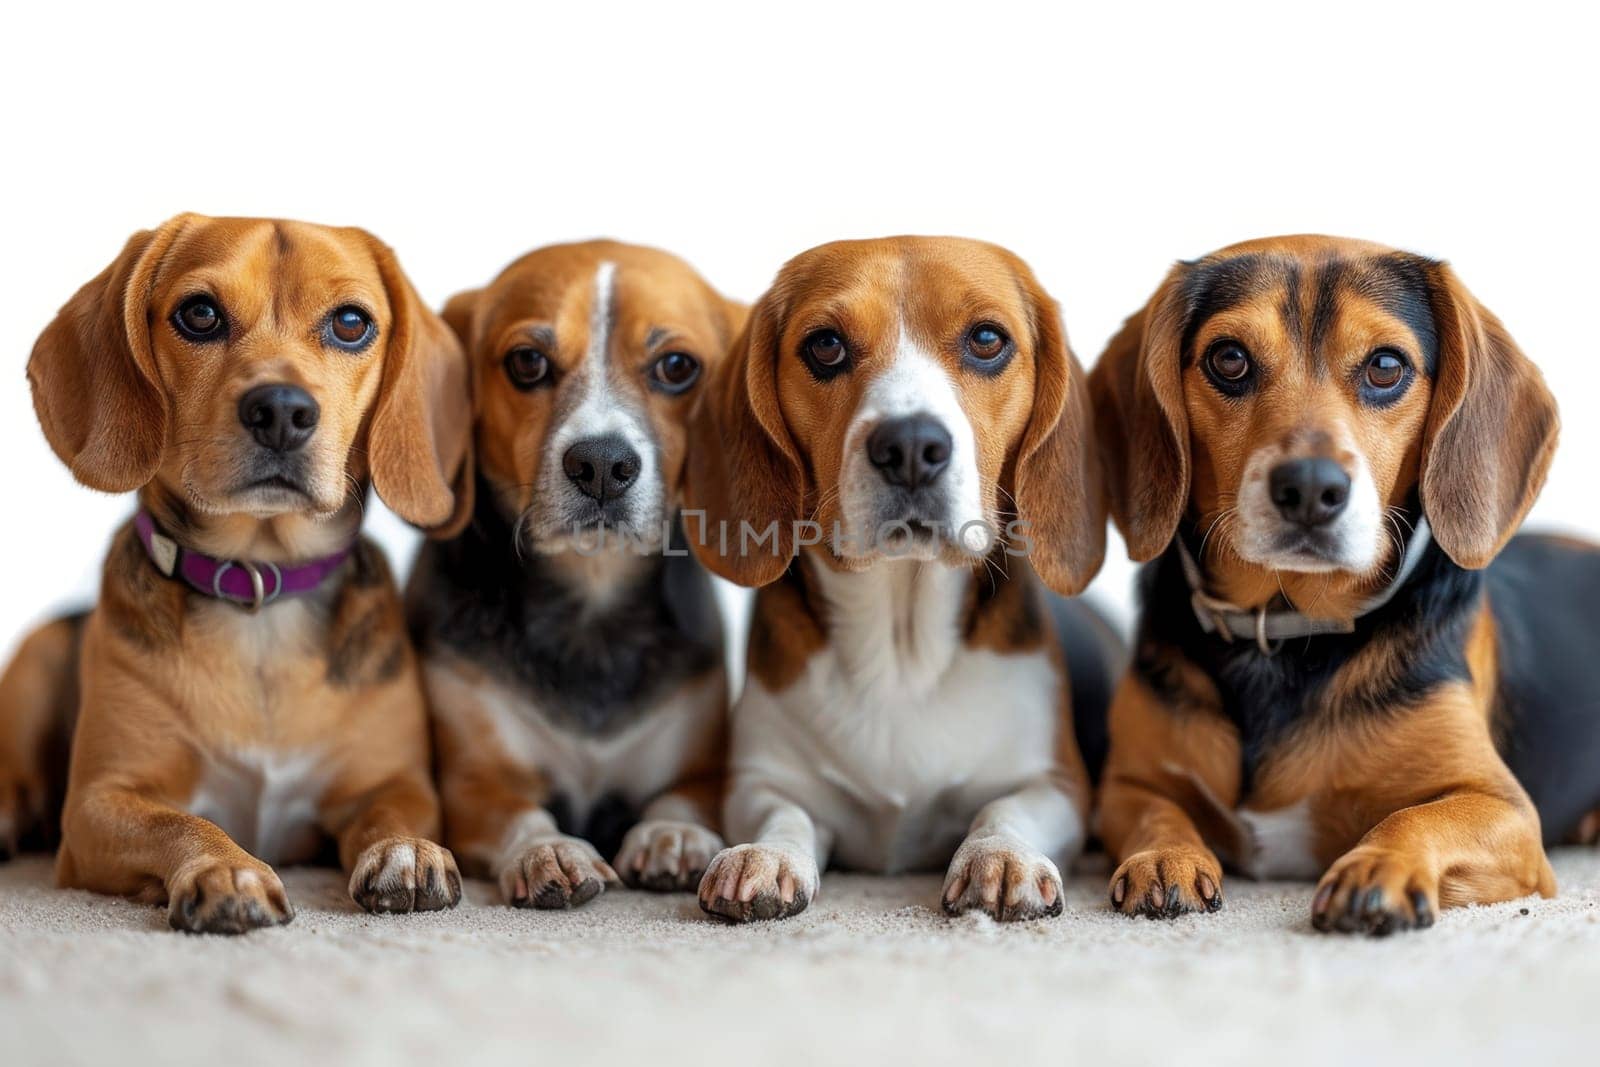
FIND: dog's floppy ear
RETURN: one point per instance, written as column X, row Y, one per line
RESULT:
column 458, row 315
column 96, row 389
column 1137, row 394
column 420, row 442
column 1057, row 480
column 1491, row 429
column 743, row 473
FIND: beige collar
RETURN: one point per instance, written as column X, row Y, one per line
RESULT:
column 1270, row 628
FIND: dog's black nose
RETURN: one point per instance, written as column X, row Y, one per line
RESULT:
column 1309, row 491
column 601, row 467
column 280, row 417
column 911, row 451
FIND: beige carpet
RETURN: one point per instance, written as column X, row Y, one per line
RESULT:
column 872, row 973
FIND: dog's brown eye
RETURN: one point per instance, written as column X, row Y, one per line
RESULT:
column 987, row 345
column 826, row 348
column 1385, row 369
column 527, row 367
column 675, row 372
column 349, row 327
column 1228, row 362
column 199, row 318
column 825, row 354
column 986, row 341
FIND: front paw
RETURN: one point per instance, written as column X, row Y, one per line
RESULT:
column 1163, row 883
column 402, row 874
column 1375, row 891
column 1003, row 877
column 666, row 856
column 748, row 882
column 560, row 872
column 216, row 896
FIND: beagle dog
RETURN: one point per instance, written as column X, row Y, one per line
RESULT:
column 897, row 450
column 243, row 690
column 1346, row 665
column 572, row 646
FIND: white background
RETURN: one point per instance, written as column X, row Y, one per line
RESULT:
column 1099, row 146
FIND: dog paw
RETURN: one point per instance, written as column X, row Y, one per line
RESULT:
column 221, row 897
column 561, row 872
column 1375, row 891
column 1163, row 883
column 750, row 882
column 402, row 874
column 1003, row 877
column 666, row 856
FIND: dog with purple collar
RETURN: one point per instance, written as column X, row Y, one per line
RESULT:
column 244, row 691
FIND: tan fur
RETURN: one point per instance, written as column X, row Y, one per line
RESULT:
column 784, row 631
column 38, row 707
column 1160, row 758
column 1414, row 810
column 176, row 685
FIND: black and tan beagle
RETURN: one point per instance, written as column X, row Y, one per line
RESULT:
column 1346, row 666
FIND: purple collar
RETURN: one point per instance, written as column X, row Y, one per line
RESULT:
column 238, row 581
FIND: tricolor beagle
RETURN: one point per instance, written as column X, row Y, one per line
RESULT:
column 899, row 424
column 573, row 651
column 247, row 689
column 1323, row 445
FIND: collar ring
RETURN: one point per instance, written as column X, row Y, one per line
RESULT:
column 1268, row 648
column 258, row 590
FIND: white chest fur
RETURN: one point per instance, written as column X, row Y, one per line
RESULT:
column 1283, row 843
column 637, row 762
column 266, row 801
column 897, row 732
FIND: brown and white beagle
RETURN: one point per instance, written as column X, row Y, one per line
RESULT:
column 243, row 689
column 572, row 647
column 899, row 443
column 1347, row 668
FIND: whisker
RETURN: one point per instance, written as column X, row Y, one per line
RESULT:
column 1393, row 534
column 823, row 501
column 1284, row 592
column 357, row 493
column 1222, row 517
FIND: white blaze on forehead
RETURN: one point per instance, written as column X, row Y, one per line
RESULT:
column 916, row 383
column 603, row 409
column 600, row 320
